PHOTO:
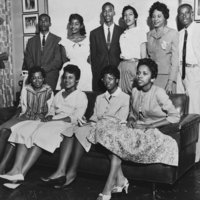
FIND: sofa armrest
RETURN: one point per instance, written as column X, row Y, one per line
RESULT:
column 185, row 132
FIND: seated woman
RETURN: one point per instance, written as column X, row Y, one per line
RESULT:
column 30, row 108
column 68, row 105
column 112, row 104
column 140, row 141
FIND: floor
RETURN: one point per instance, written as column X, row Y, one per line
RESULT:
column 87, row 188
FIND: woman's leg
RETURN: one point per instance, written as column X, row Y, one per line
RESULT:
column 19, row 160
column 4, row 135
column 7, row 156
column 77, row 155
column 31, row 157
column 115, row 165
column 65, row 153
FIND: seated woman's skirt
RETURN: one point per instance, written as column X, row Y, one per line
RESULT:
column 137, row 145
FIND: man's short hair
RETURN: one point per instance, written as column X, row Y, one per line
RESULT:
column 108, row 4
column 45, row 15
column 184, row 5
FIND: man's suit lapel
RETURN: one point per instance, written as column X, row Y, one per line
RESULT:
column 103, row 39
column 38, row 49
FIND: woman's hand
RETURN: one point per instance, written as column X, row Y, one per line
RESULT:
column 82, row 121
column 47, row 118
column 131, row 123
column 170, row 87
column 143, row 126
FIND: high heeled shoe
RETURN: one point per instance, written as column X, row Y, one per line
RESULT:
column 103, row 197
column 64, row 186
column 13, row 178
column 119, row 189
column 56, row 181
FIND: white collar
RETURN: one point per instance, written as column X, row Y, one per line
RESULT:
column 116, row 93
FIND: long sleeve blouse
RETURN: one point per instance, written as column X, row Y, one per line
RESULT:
column 155, row 105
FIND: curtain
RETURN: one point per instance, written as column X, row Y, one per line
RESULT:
column 6, row 67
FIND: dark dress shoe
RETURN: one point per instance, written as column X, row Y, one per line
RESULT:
column 64, row 186
column 56, row 181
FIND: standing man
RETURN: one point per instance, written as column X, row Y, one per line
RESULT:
column 104, row 45
column 189, row 72
column 43, row 50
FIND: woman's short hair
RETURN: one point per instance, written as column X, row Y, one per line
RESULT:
column 160, row 7
column 153, row 67
column 33, row 70
column 129, row 8
column 111, row 69
column 72, row 69
column 81, row 21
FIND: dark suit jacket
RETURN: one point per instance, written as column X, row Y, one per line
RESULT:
column 49, row 58
column 100, row 55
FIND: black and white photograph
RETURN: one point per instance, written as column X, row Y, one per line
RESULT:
column 30, row 5
column 100, row 100
column 197, row 10
column 30, row 23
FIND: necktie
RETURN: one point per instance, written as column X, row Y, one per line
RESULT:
column 184, row 54
column 43, row 41
column 110, row 97
column 108, row 38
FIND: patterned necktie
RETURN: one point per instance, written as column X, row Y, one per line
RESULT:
column 108, row 39
column 184, row 54
column 43, row 41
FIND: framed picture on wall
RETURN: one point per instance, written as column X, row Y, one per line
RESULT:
column 197, row 10
column 30, row 23
column 29, row 5
column 26, row 38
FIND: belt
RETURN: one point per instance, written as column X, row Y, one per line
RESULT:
column 190, row 65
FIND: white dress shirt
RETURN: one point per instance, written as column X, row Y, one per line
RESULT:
column 105, row 28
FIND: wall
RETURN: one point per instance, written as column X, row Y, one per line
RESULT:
column 18, row 38
column 91, row 9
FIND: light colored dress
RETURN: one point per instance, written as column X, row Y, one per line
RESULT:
column 163, row 49
column 116, row 107
column 130, row 41
column 141, row 145
column 34, row 104
column 78, row 54
column 47, row 135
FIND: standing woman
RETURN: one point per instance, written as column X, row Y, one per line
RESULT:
column 77, row 50
column 162, row 47
column 130, row 44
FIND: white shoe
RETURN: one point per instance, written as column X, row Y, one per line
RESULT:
column 16, row 177
column 103, row 197
column 118, row 189
column 11, row 185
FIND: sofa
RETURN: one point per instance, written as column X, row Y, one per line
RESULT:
column 185, row 133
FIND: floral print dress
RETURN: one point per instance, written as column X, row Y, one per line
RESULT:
column 141, row 145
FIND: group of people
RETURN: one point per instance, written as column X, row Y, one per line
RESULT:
column 135, row 76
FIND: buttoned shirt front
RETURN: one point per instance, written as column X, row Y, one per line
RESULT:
column 163, row 49
column 130, row 42
column 190, row 55
column 117, row 106
column 41, row 37
column 105, row 28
